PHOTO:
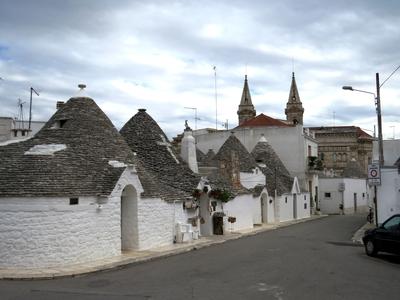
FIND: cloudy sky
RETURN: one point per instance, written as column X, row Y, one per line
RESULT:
column 160, row 55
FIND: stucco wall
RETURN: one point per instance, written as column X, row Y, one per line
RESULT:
column 388, row 194
column 331, row 205
column 285, row 208
column 303, row 205
column 242, row 207
column 250, row 180
column 157, row 221
column 46, row 232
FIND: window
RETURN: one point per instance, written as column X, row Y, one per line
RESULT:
column 392, row 224
column 305, row 197
column 305, row 205
column 327, row 195
column 73, row 201
column 309, row 150
column 285, row 199
column 59, row 124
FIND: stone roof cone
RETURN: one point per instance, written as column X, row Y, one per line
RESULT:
column 294, row 108
column 232, row 144
column 70, row 155
column 246, row 108
column 277, row 176
column 153, row 150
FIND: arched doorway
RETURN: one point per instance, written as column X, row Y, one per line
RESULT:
column 129, row 219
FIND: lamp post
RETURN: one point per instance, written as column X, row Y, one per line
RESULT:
column 379, row 118
column 377, row 98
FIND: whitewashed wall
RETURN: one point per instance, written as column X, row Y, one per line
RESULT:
column 268, row 208
column 359, row 188
column 241, row 207
column 250, row 180
column 285, row 208
column 48, row 231
column 331, row 205
column 388, row 194
column 45, row 232
column 157, row 222
column 303, row 205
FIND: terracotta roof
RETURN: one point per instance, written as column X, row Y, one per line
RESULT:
column 361, row 134
column 174, row 180
column 86, row 142
column 263, row 120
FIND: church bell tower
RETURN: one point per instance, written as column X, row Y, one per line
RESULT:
column 294, row 108
column 246, row 108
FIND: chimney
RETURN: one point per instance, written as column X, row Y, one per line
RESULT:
column 188, row 150
column 59, row 104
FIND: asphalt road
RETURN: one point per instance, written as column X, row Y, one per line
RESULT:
column 312, row 260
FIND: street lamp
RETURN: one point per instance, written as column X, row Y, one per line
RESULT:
column 377, row 98
column 378, row 113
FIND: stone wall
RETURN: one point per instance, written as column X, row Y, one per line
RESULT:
column 45, row 232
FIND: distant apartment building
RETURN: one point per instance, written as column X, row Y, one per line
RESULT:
column 337, row 145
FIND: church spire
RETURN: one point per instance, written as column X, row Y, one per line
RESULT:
column 294, row 109
column 246, row 108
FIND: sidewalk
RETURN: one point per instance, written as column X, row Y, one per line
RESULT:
column 133, row 257
column 357, row 237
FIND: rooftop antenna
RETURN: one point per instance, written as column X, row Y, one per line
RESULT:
column 216, row 98
column 30, row 107
column 20, row 114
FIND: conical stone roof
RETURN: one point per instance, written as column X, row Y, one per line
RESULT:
column 277, row 176
column 151, row 145
column 69, row 156
column 246, row 161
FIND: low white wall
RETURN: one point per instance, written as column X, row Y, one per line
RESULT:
column 285, row 208
column 303, row 205
column 355, row 189
column 45, row 232
column 241, row 207
column 157, row 221
column 353, row 186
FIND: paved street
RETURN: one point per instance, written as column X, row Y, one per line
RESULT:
column 311, row 260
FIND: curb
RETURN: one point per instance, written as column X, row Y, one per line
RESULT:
column 53, row 273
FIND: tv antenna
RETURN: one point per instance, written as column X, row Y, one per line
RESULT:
column 20, row 117
column 30, row 107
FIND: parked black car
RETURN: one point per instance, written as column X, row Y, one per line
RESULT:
column 385, row 238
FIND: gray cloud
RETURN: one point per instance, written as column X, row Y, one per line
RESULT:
column 159, row 55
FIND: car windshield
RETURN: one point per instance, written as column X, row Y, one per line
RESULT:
column 393, row 223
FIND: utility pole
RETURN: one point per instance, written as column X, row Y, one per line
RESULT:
column 379, row 114
column 216, row 98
